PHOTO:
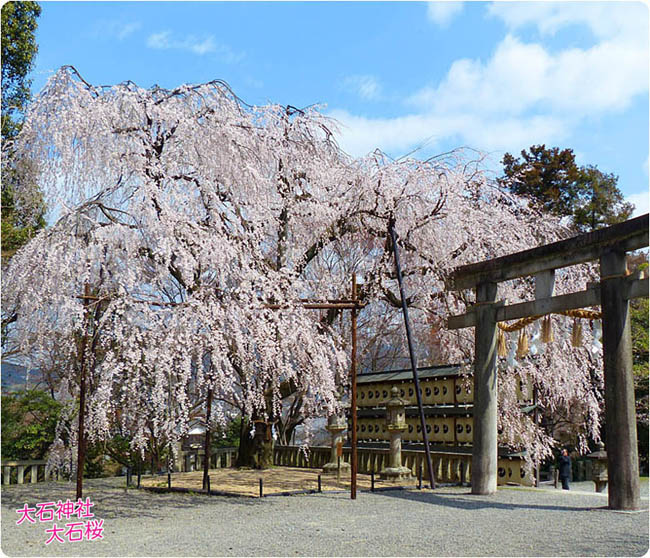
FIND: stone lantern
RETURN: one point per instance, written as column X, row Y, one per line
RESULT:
column 336, row 425
column 395, row 424
column 599, row 470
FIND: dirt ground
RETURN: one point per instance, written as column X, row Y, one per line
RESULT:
column 245, row 482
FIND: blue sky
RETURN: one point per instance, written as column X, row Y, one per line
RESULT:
column 495, row 77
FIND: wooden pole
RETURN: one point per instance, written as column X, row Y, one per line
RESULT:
column 206, row 446
column 536, row 419
column 353, row 397
column 81, row 441
column 414, row 365
column 620, row 414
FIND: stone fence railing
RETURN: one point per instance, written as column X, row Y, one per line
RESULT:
column 192, row 460
column 24, row 472
column 447, row 467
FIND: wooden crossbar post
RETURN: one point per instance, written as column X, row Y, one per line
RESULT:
column 206, row 445
column 81, row 442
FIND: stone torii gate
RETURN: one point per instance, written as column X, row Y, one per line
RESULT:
column 612, row 293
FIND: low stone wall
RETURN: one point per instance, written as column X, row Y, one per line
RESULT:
column 448, row 467
column 25, row 472
column 193, row 460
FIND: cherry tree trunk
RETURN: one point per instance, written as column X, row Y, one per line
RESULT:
column 256, row 452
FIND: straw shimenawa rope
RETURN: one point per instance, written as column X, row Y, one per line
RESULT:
column 581, row 313
column 576, row 333
column 546, row 333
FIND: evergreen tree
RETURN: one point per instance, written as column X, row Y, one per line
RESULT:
column 18, row 51
column 22, row 214
column 602, row 204
column 550, row 177
column 29, row 421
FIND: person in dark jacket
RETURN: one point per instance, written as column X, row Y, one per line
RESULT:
column 565, row 469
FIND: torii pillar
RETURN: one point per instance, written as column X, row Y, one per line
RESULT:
column 484, row 446
column 620, row 416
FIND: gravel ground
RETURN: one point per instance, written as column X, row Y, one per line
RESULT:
column 590, row 487
column 446, row 522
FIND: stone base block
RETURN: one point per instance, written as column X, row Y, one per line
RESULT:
column 332, row 468
column 601, row 486
column 395, row 473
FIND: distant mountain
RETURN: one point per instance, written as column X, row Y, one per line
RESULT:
column 14, row 377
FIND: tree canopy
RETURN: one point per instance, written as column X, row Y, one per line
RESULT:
column 551, row 178
column 29, row 421
column 22, row 205
column 186, row 213
column 18, row 52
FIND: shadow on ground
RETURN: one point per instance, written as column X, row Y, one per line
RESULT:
column 111, row 498
column 469, row 501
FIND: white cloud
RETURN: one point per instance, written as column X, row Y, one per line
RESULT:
column 123, row 31
column 525, row 92
column 360, row 135
column 367, row 87
column 397, row 136
column 253, row 82
column 204, row 46
column 441, row 13
column 114, row 29
column 520, row 77
column 640, row 201
column 604, row 19
column 159, row 40
column 166, row 40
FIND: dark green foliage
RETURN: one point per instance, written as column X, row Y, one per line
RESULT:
column 639, row 323
column 29, row 421
column 551, row 179
column 94, row 462
column 22, row 203
column 18, row 52
column 228, row 438
column 23, row 208
column 548, row 176
column 641, row 401
column 602, row 203
column 118, row 448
